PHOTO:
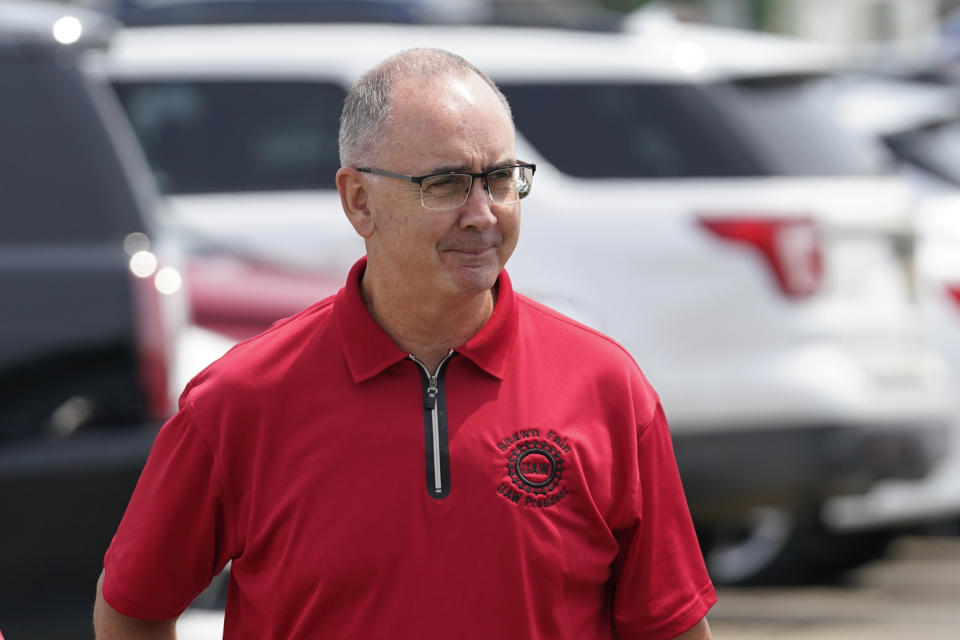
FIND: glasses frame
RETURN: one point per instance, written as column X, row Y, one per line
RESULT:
column 418, row 180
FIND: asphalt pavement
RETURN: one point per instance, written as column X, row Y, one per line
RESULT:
column 912, row 593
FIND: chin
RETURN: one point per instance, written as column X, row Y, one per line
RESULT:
column 469, row 280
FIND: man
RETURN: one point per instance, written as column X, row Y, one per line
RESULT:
column 426, row 454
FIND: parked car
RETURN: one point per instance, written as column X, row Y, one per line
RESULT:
column 695, row 200
column 919, row 121
column 91, row 305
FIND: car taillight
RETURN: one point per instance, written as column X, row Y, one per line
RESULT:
column 954, row 291
column 790, row 246
column 151, row 352
column 152, row 284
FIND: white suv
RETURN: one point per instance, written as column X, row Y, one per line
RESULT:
column 920, row 123
column 693, row 200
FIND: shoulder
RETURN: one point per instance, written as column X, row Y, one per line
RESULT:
column 547, row 324
column 267, row 357
column 562, row 344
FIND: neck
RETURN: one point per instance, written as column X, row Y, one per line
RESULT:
column 432, row 326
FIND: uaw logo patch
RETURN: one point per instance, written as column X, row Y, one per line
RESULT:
column 535, row 467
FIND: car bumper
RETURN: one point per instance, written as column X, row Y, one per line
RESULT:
column 903, row 503
column 62, row 500
column 726, row 474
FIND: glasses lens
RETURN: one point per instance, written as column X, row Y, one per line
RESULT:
column 502, row 185
column 524, row 181
column 451, row 190
column 447, row 191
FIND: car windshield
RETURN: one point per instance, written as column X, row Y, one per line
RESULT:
column 58, row 160
column 224, row 136
column 754, row 127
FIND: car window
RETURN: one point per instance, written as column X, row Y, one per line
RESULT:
column 935, row 148
column 60, row 179
column 627, row 130
column 223, row 136
column 664, row 130
column 792, row 126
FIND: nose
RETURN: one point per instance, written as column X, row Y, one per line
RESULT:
column 477, row 210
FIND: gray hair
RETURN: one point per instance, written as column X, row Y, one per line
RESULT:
column 366, row 110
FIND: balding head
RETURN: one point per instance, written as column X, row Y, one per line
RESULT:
column 364, row 122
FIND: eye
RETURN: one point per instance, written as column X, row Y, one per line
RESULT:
column 503, row 175
column 447, row 183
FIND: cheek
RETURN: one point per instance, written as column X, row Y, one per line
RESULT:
column 412, row 233
column 510, row 227
column 399, row 218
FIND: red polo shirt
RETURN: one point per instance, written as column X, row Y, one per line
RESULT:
column 528, row 491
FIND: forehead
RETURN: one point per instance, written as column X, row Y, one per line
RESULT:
column 441, row 119
column 447, row 92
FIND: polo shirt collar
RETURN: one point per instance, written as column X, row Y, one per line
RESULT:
column 369, row 350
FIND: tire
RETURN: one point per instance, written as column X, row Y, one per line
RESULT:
column 777, row 547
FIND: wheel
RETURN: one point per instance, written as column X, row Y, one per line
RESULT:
column 774, row 546
column 751, row 552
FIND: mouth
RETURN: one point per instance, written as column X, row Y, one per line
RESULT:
column 471, row 251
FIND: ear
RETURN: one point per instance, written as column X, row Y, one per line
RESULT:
column 353, row 196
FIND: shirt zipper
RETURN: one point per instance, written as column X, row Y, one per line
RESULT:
column 432, row 397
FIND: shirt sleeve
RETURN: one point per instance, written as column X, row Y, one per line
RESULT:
column 172, row 538
column 661, row 587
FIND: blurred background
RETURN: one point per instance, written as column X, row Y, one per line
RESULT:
column 760, row 199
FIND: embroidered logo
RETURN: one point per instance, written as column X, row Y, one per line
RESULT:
column 535, row 467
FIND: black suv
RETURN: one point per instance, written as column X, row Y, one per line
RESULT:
column 84, row 340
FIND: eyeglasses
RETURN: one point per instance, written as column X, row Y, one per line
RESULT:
column 450, row 190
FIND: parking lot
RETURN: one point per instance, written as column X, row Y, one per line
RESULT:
column 913, row 593
column 788, row 290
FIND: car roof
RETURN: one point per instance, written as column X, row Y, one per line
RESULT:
column 541, row 13
column 881, row 105
column 33, row 23
column 344, row 51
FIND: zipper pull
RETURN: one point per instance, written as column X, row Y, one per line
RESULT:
column 432, row 391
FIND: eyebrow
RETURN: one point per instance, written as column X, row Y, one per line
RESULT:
column 465, row 169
